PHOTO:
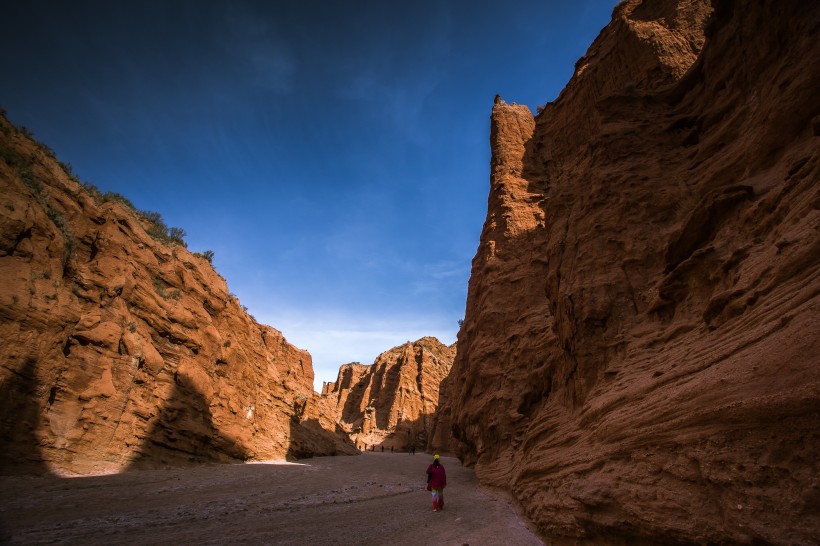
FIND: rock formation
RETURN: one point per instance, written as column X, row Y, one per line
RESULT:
column 118, row 349
column 391, row 403
column 640, row 357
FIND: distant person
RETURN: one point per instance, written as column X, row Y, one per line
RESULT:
column 412, row 450
column 436, row 482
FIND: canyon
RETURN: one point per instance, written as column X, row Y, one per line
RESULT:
column 640, row 357
column 639, row 362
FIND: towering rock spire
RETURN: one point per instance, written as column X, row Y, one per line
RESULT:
column 639, row 353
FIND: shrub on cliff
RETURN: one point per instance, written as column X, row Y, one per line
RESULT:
column 160, row 231
column 208, row 255
column 24, row 163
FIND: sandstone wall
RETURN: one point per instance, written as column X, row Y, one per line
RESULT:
column 393, row 402
column 117, row 349
column 639, row 361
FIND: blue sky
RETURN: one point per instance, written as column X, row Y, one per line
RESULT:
column 333, row 155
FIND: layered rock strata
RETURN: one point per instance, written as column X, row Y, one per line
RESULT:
column 391, row 403
column 640, row 357
column 120, row 350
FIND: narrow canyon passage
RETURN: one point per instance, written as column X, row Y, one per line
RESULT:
column 375, row 498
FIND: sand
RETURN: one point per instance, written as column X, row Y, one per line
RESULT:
column 374, row 498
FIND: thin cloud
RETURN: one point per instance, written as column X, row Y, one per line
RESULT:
column 447, row 269
column 441, row 277
column 334, row 338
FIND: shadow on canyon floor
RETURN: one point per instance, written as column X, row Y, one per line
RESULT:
column 369, row 499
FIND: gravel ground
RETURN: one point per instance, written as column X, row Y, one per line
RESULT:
column 375, row 498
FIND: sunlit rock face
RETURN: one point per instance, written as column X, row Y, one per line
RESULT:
column 119, row 350
column 640, row 357
column 393, row 402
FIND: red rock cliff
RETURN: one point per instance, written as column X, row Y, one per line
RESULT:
column 640, row 357
column 393, row 402
column 120, row 350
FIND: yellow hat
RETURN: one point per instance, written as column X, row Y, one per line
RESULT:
column 436, row 456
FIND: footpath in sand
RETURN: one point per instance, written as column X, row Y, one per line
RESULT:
column 375, row 498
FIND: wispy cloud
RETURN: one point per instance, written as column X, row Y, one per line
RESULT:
column 334, row 338
column 447, row 269
column 440, row 277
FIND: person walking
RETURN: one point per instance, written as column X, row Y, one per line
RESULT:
column 436, row 482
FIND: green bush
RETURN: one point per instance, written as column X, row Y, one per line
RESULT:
column 159, row 230
column 157, row 227
column 32, row 182
column 113, row 197
column 93, row 191
column 67, row 169
column 68, row 238
column 162, row 288
column 208, row 255
column 153, row 217
column 47, row 150
column 177, row 234
column 11, row 157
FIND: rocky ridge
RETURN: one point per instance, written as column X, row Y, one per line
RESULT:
column 124, row 349
column 639, row 357
column 391, row 403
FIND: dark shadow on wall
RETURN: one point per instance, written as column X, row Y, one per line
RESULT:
column 353, row 403
column 390, row 384
column 414, row 434
column 184, row 434
column 407, row 436
column 20, row 409
column 309, row 439
column 441, row 439
column 382, row 379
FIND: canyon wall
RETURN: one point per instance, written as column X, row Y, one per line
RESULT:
column 391, row 403
column 120, row 349
column 640, row 357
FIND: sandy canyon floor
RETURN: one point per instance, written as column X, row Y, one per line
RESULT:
column 375, row 498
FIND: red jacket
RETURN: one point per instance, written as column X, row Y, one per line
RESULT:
column 438, row 477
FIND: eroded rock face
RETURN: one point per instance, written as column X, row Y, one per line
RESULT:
column 391, row 403
column 118, row 350
column 639, row 361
